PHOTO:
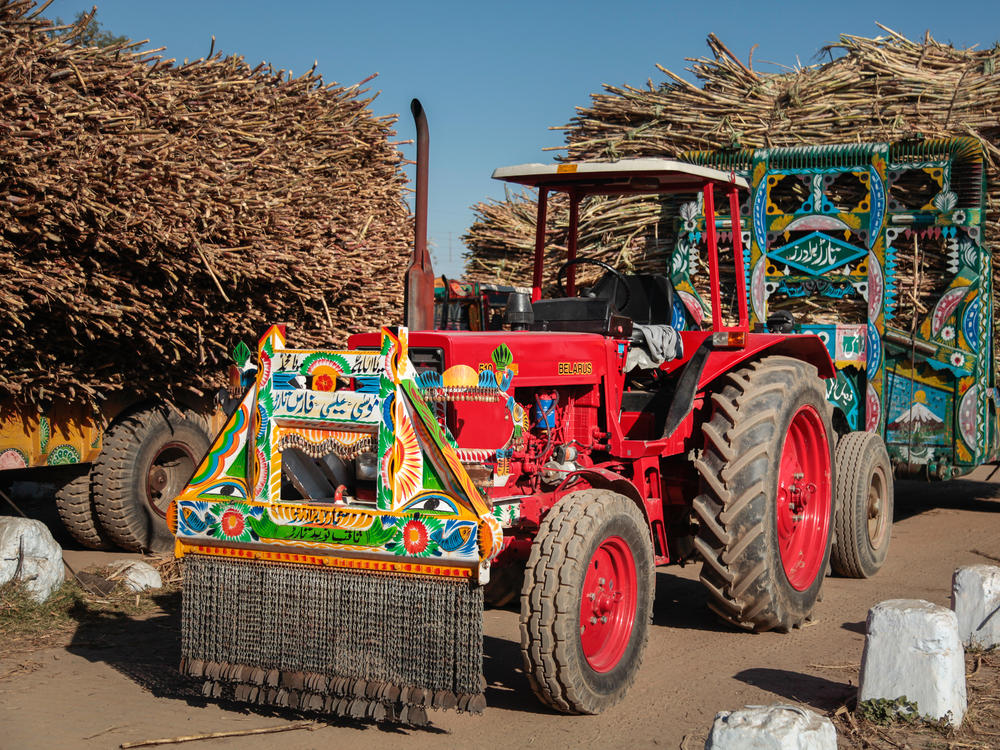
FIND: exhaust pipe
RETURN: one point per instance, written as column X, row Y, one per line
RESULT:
column 418, row 290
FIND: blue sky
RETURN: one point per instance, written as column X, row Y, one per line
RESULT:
column 494, row 77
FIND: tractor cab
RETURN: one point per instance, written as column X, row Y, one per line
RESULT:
column 625, row 306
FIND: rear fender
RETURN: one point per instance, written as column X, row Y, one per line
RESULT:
column 806, row 347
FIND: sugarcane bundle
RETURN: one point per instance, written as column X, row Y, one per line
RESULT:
column 154, row 213
column 882, row 89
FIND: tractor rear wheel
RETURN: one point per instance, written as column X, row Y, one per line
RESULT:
column 75, row 506
column 147, row 459
column 863, row 506
column 587, row 601
column 766, row 504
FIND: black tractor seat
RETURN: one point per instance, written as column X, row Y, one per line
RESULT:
column 650, row 302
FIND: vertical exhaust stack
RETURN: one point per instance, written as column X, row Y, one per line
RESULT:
column 418, row 290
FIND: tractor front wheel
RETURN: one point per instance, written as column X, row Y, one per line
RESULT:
column 587, row 602
column 766, row 504
column 864, row 504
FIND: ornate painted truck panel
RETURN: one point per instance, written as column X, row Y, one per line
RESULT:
column 879, row 250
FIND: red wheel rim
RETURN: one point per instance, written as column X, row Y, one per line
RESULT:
column 608, row 604
column 804, row 497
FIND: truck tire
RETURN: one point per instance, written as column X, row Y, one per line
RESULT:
column 587, row 601
column 863, row 507
column 765, row 510
column 75, row 506
column 147, row 459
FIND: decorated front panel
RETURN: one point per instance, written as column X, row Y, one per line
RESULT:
column 288, row 473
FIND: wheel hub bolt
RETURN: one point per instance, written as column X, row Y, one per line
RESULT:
column 593, row 620
column 604, row 619
column 158, row 478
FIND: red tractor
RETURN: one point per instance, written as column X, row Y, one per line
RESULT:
column 579, row 450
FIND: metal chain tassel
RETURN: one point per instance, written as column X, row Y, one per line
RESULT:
column 354, row 643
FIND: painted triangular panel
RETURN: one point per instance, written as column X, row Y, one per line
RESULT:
column 817, row 253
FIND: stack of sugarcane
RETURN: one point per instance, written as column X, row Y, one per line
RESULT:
column 881, row 89
column 154, row 213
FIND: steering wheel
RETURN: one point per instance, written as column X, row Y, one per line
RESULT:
column 620, row 282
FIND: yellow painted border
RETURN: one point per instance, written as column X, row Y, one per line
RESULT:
column 384, row 566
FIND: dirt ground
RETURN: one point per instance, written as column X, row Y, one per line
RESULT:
column 113, row 680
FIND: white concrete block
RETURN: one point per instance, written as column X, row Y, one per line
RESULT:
column 912, row 649
column 136, row 575
column 975, row 597
column 30, row 554
column 775, row 727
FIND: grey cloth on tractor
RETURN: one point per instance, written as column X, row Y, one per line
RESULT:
column 658, row 344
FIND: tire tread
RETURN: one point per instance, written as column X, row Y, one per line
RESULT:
column 547, row 641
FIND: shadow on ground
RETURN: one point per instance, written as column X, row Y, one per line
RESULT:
column 914, row 496
column 147, row 651
column 681, row 603
column 507, row 686
column 817, row 692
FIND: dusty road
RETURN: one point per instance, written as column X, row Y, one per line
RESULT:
column 114, row 682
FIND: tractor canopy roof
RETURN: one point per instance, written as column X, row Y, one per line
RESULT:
column 625, row 177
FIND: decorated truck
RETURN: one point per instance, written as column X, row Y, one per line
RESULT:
column 879, row 250
column 340, row 538
column 118, row 468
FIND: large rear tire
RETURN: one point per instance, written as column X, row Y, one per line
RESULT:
column 587, row 602
column 147, row 459
column 766, row 504
column 75, row 506
column 864, row 506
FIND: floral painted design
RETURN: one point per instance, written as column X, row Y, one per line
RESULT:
column 419, row 535
column 948, row 333
column 229, row 522
column 324, row 381
column 415, row 537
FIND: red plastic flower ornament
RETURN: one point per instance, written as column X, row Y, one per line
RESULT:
column 414, row 537
column 232, row 523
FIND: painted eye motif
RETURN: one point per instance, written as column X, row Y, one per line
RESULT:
column 432, row 502
column 231, row 490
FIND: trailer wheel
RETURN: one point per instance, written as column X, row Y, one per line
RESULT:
column 863, row 506
column 587, row 602
column 75, row 506
column 147, row 459
column 765, row 509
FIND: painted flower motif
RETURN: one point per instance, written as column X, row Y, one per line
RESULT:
column 958, row 217
column 948, row 333
column 957, row 359
column 415, row 537
column 232, row 524
column 323, row 383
